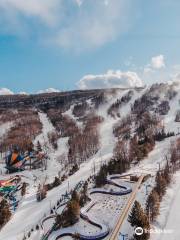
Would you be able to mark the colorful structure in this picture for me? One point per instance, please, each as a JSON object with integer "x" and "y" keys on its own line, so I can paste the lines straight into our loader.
{"x": 16, "y": 162}
{"x": 8, "y": 188}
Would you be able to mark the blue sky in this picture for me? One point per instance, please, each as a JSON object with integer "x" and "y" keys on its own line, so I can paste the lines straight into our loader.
{"x": 69, "y": 44}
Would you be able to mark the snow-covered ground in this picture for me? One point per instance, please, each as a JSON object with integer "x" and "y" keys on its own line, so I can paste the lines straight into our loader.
{"x": 156, "y": 160}
{"x": 53, "y": 163}
{"x": 47, "y": 128}
{"x": 108, "y": 208}
{"x": 169, "y": 122}
{"x": 69, "y": 112}
{"x": 167, "y": 223}
{"x": 30, "y": 212}
{"x": 4, "y": 128}
{"x": 150, "y": 165}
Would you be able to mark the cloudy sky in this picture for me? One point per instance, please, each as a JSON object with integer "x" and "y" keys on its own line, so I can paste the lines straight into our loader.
{"x": 70, "y": 44}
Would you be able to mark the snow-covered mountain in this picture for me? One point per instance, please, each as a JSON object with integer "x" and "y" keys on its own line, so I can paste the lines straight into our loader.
{"x": 79, "y": 131}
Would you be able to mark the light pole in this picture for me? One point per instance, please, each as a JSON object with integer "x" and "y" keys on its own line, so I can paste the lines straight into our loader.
{"x": 147, "y": 188}
{"x": 124, "y": 236}
{"x": 68, "y": 186}
{"x": 50, "y": 205}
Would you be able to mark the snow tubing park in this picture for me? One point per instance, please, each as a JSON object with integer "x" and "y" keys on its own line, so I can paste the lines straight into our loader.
{"x": 8, "y": 189}
{"x": 104, "y": 229}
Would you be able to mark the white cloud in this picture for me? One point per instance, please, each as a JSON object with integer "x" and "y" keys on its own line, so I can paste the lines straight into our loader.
{"x": 44, "y": 10}
{"x": 79, "y": 2}
{"x": 158, "y": 62}
{"x": 94, "y": 25}
{"x": 5, "y": 91}
{"x": 106, "y": 2}
{"x": 177, "y": 79}
{"x": 175, "y": 82}
{"x": 48, "y": 90}
{"x": 148, "y": 69}
{"x": 111, "y": 79}
{"x": 23, "y": 93}
{"x": 74, "y": 24}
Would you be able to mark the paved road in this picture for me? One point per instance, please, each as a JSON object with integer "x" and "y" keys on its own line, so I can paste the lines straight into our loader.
{"x": 115, "y": 233}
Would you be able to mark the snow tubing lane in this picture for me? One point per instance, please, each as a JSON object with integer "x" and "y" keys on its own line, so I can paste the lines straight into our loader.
{"x": 52, "y": 215}
{"x": 83, "y": 214}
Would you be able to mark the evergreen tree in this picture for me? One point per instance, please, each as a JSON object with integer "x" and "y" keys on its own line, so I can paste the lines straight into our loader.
{"x": 160, "y": 184}
{"x": 5, "y": 213}
{"x": 75, "y": 196}
{"x": 177, "y": 119}
{"x": 160, "y": 135}
{"x": 84, "y": 196}
{"x": 23, "y": 189}
{"x": 152, "y": 205}
{"x": 41, "y": 193}
{"x": 37, "y": 227}
{"x": 73, "y": 211}
{"x": 70, "y": 216}
{"x": 56, "y": 182}
{"x": 24, "y": 237}
{"x": 39, "y": 147}
{"x": 76, "y": 236}
{"x": 135, "y": 151}
{"x": 138, "y": 218}
{"x": 174, "y": 157}
{"x": 100, "y": 179}
{"x": 167, "y": 174}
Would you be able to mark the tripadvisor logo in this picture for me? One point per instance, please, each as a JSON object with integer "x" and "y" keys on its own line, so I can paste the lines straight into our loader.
{"x": 138, "y": 231}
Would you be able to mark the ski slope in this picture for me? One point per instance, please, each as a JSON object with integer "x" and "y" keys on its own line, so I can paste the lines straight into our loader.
{"x": 167, "y": 222}
{"x": 32, "y": 212}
